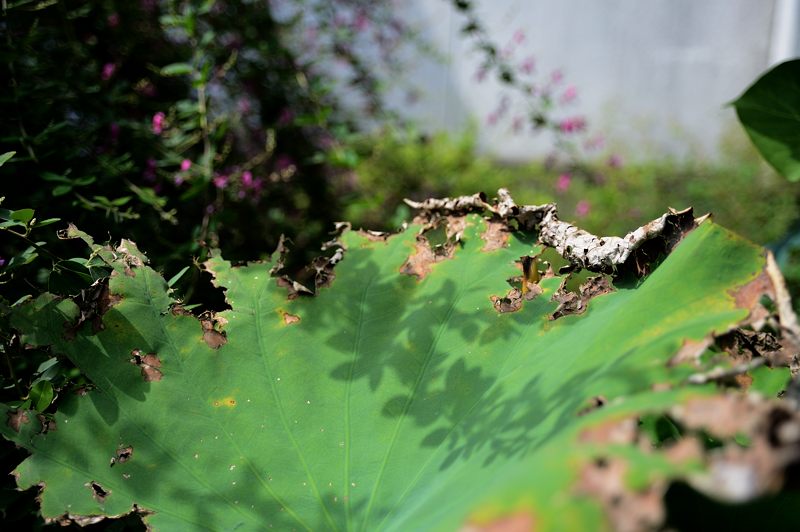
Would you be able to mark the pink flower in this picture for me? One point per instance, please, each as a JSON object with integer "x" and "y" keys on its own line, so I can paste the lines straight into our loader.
{"x": 569, "y": 94}
{"x": 185, "y": 165}
{"x": 582, "y": 208}
{"x": 108, "y": 71}
{"x": 220, "y": 181}
{"x": 492, "y": 118}
{"x": 247, "y": 178}
{"x": 158, "y": 122}
{"x": 113, "y": 20}
{"x": 480, "y": 75}
{"x": 519, "y": 37}
{"x": 178, "y": 179}
{"x": 528, "y": 65}
{"x": 572, "y": 125}
{"x": 563, "y": 181}
{"x": 243, "y": 105}
{"x": 615, "y": 161}
{"x": 556, "y": 76}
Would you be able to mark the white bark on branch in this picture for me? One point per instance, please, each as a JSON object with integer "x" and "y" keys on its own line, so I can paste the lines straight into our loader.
{"x": 581, "y": 248}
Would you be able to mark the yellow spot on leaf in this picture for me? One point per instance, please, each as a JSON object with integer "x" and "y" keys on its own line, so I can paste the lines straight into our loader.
{"x": 229, "y": 402}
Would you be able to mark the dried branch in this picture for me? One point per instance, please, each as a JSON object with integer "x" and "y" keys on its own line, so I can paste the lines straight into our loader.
{"x": 722, "y": 374}
{"x": 582, "y": 249}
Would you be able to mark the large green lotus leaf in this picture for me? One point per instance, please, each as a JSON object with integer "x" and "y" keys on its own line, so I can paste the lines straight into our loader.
{"x": 769, "y": 111}
{"x": 384, "y": 402}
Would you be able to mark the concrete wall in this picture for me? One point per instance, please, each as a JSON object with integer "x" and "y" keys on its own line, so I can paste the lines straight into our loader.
{"x": 653, "y": 76}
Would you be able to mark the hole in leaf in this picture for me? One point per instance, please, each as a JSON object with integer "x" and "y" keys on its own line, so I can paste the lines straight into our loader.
{"x": 123, "y": 454}
{"x": 98, "y": 492}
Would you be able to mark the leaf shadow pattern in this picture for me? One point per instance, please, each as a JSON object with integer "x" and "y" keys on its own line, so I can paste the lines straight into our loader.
{"x": 391, "y": 329}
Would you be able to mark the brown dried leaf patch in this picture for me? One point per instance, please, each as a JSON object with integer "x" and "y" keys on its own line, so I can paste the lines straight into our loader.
{"x": 47, "y": 422}
{"x": 98, "y": 492}
{"x": 122, "y": 455}
{"x": 129, "y": 253}
{"x": 149, "y": 364}
{"x": 293, "y": 288}
{"x": 572, "y": 303}
{"x": 421, "y": 260}
{"x": 16, "y": 418}
{"x": 289, "y": 319}
{"x": 627, "y": 510}
{"x": 614, "y": 431}
{"x": 512, "y": 301}
{"x": 212, "y": 337}
{"x": 93, "y": 303}
{"x": 496, "y": 236}
{"x": 737, "y": 473}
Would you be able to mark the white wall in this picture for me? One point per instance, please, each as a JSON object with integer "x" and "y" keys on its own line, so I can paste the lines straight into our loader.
{"x": 653, "y": 76}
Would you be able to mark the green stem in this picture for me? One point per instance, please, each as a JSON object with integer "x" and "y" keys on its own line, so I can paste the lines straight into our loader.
{"x": 35, "y": 245}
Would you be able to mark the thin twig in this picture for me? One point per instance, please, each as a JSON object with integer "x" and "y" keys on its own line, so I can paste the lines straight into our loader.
{"x": 721, "y": 374}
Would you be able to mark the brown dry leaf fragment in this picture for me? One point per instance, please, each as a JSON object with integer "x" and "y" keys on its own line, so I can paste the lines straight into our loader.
{"x": 214, "y": 339}
{"x": 739, "y": 474}
{"x": 517, "y": 522}
{"x": 149, "y": 365}
{"x": 721, "y": 415}
{"x": 17, "y": 418}
{"x": 742, "y": 345}
{"x": 93, "y": 303}
{"x": 627, "y": 510}
{"x": 749, "y": 295}
{"x": 293, "y": 288}
{"x": 47, "y": 422}
{"x": 568, "y": 303}
{"x": 495, "y": 236}
{"x": 290, "y": 319}
{"x": 685, "y": 450}
{"x": 80, "y": 520}
{"x": 178, "y": 310}
{"x": 572, "y": 303}
{"x": 691, "y": 350}
{"x": 454, "y": 229}
{"x": 98, "y": 492}
{"x": 420, "y": 261}
{"x": 281, "y": 251}
{"x": 323, "y": 267}
{"x": 128, "y": 251}
{"x": 123, "y": 454}
{"x": 614, "y": 431}
{"x": 512, "y": 301}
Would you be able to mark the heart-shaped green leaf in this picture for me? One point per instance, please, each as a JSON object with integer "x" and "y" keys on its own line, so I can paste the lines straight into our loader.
{"x": 388, "y": 401}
